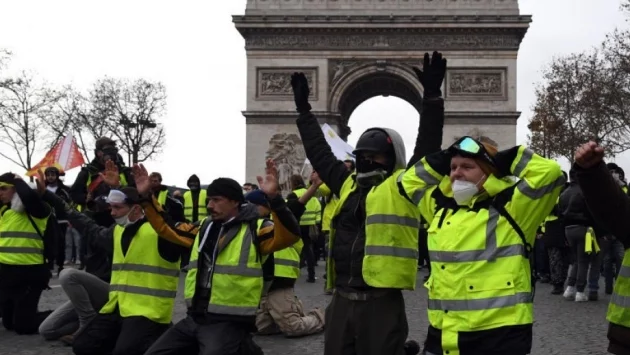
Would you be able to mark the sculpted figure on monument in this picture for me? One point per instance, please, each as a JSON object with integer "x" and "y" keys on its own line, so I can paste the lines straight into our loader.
{"x": 286, "y": 150}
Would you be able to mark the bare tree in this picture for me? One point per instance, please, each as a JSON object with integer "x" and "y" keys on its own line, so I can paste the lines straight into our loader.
{"x": 74, "y": 113}
{"x": 578, "y": 101}
{"x": 131, "y": 110}
{"x": 25, "y": 106}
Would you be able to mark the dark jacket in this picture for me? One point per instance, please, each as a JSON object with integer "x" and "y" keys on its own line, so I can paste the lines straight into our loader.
{"x": 349, "y": 243}
{"x": 610, "y": 207}
{"x": 554, "y": 229}
{"x": 79, "y": 189}
{"x": 574, "y": 210}
{"x": 173, "y": 207}
{"x": 572, "y": 207}
{"x": 37, "y": 276}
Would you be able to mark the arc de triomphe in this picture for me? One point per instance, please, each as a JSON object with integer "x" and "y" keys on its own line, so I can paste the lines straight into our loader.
{"x": 352, "y": 50}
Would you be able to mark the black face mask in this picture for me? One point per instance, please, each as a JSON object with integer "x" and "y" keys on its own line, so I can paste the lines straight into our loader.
{"x": 110, "y": 154}
{"x": 367, "y": 165}
{"x": 370, "y": 173}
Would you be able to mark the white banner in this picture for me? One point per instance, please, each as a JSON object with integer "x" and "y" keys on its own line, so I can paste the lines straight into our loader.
{"x": 341, "y": 149}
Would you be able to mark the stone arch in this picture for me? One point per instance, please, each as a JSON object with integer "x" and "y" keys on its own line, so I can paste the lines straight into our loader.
{"x": 369, "y": 80}
{"x": 354, "y": 50}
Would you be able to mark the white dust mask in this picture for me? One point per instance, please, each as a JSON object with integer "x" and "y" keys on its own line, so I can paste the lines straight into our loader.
{"x": 464, "y": 191}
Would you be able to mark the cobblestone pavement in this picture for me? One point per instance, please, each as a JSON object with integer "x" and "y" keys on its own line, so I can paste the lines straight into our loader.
{"x": 561, "y": 327}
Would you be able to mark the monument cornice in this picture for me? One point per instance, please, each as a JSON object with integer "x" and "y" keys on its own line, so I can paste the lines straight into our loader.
{"x": 375, "y": 39}
{"x": 336, "y": 20}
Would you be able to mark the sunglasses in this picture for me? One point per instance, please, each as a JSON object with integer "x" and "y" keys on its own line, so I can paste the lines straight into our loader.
{"x": 472, "y": 147}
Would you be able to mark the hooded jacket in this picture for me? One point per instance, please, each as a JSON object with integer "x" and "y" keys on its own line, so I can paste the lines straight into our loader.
{"x": 195, "y": 196}
{"x": 349, "y": 225}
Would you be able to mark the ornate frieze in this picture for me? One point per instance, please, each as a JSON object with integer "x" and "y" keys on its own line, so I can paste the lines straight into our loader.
{"x": 476, "y": 83}
{"x": 394, "y": 41}
{"x": 275, "y": 83}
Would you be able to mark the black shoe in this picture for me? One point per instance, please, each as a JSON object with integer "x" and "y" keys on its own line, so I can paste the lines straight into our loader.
{"x": 311, "y": 279}
{"x": 426, "y": 278}
{"x": 557, "y": 290}
{"x": 609, "y": 291}
{"x": 593, "y": 295}
{"x": 412, "y": 347}
{"x": 544, "y": 279}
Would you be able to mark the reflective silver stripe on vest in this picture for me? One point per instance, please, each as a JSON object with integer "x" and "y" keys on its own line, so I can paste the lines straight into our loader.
{"x": 237, "y": 270}
{"x": 22, "y": 235}
{"x": 22, "y": 250}
{"x": 237, "y": 311}
{"x": 391, "y": 251}
{"x": 145, "y": 268}
{"x": 286, "y": 262}
{"x": 142, "y": 291}
{"x": 480, "y": 304}
{"x": 241, "y": 269}
{"x": 192, "y": 264}
{"x": 537, "y": 193}
{"x": 490, "y": 253}
{"x": 620, "y": 301}
{"x": 392, "y": 219}
{"x": 624, "y": 271}
{"x": 526, "y": 157}
{"x": 427, "y": 178}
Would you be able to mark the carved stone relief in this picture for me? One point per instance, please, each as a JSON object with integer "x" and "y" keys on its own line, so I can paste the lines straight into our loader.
{"x": 287, "y": 151}
{"x": 411, "y": 41}
{"x": 338, "y": 68}
{"x": 476, "y": 83}
{"x": 275, "y": 83}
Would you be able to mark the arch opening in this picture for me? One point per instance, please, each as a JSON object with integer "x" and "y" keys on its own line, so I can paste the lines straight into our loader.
{"x": 387, "y": 112}
{"x": 366, "y": 83}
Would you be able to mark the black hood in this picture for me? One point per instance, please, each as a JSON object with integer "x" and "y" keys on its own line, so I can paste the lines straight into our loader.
{"x": 193, "y": 177}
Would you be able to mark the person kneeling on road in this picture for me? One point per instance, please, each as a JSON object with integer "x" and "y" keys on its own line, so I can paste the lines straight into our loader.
{"x": 280, "y": 309}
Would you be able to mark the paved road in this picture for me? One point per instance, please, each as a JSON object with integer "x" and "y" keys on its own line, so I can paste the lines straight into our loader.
{"x": 561, "y": 327}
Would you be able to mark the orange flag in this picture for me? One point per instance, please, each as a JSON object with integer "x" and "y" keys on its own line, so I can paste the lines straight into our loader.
{"x": 65, "y": 155}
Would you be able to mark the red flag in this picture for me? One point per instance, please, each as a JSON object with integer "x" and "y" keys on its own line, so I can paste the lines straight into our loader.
{"x": 65, "y": 155}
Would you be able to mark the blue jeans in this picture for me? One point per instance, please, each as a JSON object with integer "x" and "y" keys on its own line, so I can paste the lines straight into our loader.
{"x": 73, "y": 241}
{"x": 613, "y": 251}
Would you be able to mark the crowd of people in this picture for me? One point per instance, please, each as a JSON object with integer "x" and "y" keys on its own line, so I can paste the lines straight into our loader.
{"x": 488, "y": 223}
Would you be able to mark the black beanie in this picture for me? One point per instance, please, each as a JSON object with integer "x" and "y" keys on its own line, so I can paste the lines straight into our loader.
{"x": 227, "y": 188}
{"x": 7, "y": 178}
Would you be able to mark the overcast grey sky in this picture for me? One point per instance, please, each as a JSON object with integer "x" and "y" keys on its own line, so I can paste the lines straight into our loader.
{"x": 193, "y": 48}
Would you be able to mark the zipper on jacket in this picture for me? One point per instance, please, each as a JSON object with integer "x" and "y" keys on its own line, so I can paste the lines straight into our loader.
{"x": 361, "y": 227}
{"x": 214, "y": 260}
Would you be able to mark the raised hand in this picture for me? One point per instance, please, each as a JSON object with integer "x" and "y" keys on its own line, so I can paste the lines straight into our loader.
{"x": 315, "y": 180}
{"x": 111, "y": 174}
{"x": 432, "y": 75}
{"x": 589, "y": 155}
{"x": 270, "y": 168}
{"x": 141, "y": 177}
{"x": 41, "y": 182}
{"x": 269, "y": 185}
{"x": 300, "y": 92}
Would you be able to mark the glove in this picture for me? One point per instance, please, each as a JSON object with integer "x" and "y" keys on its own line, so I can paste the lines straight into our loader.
{"x": 300, "y": 92}
{"x": 432, "y": 75}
